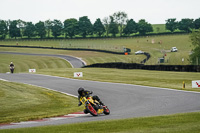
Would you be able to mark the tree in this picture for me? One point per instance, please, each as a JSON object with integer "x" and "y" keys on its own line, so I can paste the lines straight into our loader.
{"x": 171, "y": 24}
{"x": 40, "y": 29}
{"x": 3, "y": 29}
{"x": 14, "y": 31}
{"x": 113, "y": 27}
{"x": 197, "y": 23}
{"x": 48, "y": 25}
{"x": 70, "y": 27}
{"x": 131, "y": 27}
{"x": 29, "y": 30}
{"x": 56, "y": 28}
{"x": 195, "y": 38}
{"x": 98, "y": 27}
{"x": 144, "y": 27}
{"x": 8, "y": 22}
{"x": 106, "y": 22}
{"x": 21, "y": 24}
{"x": 186, "y": 25}
{"x": 85, "y": 26}
{"x": 120, "y": 18}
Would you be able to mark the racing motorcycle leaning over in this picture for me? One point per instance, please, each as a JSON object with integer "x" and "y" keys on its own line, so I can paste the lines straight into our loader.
{"x": 93, "y": 106}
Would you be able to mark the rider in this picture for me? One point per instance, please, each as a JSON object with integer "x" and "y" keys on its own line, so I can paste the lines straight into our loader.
{"x": 85, "y": 93}
{"x": 11, "y": 67}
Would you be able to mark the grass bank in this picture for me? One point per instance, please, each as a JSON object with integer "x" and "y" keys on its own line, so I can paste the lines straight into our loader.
{"x": 181, "y": 123}
{"x": 21, "y": 102}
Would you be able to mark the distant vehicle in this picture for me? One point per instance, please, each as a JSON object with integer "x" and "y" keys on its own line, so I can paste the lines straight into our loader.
{"x": 139, "y": 52}
{"x": 174, "y": 49}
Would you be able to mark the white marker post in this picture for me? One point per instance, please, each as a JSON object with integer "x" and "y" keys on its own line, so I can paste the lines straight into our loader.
{"x": 196, "y": 84}
{"x": 78, "y": 74}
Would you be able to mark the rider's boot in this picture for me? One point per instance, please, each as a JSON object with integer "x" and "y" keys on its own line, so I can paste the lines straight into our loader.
{"x": 85, "y": 111}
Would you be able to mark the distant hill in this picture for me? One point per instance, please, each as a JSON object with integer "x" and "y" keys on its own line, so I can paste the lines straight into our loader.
{"x": 158, "y": 28}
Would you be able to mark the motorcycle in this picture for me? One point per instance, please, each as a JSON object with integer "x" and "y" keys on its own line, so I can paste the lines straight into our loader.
{"x": 12, "y": 69}
{"x": 93, "y": 106}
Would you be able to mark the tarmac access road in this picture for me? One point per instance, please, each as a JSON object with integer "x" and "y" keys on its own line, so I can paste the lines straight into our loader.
{"x": 123, "y": 100}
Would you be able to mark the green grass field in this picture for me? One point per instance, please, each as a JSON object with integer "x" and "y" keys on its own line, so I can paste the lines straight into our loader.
{"x": 20, "y": 102}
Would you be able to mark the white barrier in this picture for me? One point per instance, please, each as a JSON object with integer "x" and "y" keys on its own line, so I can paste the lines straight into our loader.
{"x": 196, "y": 84}
{"x": 78, "y": 74}
{"x": 32, "y": 70}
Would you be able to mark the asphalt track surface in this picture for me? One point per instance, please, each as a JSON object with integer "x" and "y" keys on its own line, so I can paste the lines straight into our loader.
{"x": 74, "y": 61}
{"x": 124, "y": 101}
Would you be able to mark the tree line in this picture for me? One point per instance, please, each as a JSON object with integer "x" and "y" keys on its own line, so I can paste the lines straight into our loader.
{"x": 118, "y": 23}
{"x": 186, "y": 24}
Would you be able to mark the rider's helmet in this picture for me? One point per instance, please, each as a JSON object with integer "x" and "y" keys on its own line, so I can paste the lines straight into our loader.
{"x": 80, "y": 91}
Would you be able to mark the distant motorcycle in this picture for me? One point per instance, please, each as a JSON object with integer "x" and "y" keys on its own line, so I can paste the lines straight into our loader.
{"x": 94, "y": 107}
{"x": 12, "y": 69}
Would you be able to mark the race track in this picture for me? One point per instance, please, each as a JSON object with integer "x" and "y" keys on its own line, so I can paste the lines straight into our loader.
{"x": 124, "y": 101}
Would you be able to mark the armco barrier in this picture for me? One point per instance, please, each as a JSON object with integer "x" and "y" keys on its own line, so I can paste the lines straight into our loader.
{"x": 120, "y": 65}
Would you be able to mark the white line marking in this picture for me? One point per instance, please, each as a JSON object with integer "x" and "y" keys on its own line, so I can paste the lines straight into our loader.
{"x": 4, "y": 80}
{"x": 24, "y": 122}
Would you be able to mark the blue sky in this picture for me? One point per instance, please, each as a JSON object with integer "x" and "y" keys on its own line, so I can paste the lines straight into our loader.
{"x": 153, "y": 11}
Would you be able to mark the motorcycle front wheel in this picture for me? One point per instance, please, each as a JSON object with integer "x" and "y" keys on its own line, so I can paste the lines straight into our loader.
{"x": 91, "y": 110}
{"x": 106, "y": 110}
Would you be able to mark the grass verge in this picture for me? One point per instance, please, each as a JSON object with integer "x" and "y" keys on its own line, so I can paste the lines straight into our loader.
{"x": 180, "y": 123}
{"x": 21, "y": 102}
